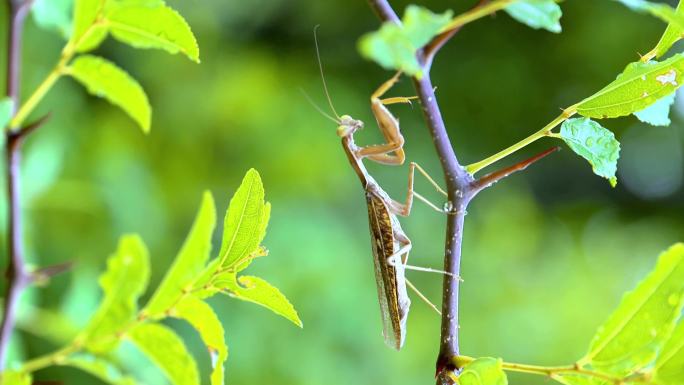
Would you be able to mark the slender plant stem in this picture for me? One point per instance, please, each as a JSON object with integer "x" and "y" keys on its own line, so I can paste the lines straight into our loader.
{"x": 551, "y": 371}
{"x": 475, "y": 13}
{"x": 39, "y": 93}
{"x": 17, "y": 277}
{"x": 53, "y": 358}
{"x": 546, "y": 131}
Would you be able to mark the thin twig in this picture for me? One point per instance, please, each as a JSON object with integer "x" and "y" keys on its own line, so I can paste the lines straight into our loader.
{"x": 490, "y": 179}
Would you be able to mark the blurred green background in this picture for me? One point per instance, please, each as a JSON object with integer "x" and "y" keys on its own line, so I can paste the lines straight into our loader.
{"x": 547, "y": 254}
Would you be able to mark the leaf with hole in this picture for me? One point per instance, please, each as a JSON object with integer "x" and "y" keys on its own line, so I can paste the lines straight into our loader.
{"x": 104, "y": 79}
{"x": 594, "y": 143}
{"x": 159, "y": 27}
{"x": 637, "y": 87}
{"x": 644, "y": 320}
{"x": 658, "y": 113}
{"x": 544, "y": 14}
{"x": 124, "y": 281}
{"x": 189, "y": 262}
{"x": 395, "y": 47}
{"x": 167, "y": 351}
{"x": 202, "y": 317}
{"x": 483, "y": 371}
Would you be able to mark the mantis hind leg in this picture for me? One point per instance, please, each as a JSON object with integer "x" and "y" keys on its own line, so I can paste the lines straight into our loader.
{"x": 404, "y": 209}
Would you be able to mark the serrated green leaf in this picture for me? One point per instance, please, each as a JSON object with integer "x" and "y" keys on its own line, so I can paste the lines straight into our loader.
{"x": 421, "y": 25}
{"x": 643, "y": 321}
{"x": 6, "y": 109}
{"x": 255, "y": 289}
{"x": 202, "y": 317}
{"x": 89, "y": 29}
{"x": 53, "y": 15}
{"x": 104, "y": 79}
{"x": 658, "y": 113}
{"x": 669, "y": 366}
{"x": 158, "y": 27}
{"x": 167, "y": 351}
{"x": 639, "y": 86}
{"x": 124, "y": 281}
{"x": 189, "y": 262}
{"x": 672, "y": 34}
{"x": 483, "y": 371}
{"x": 659, "y": 10}
{"x": 11, "y": 377}
{"x": 594, "y": 143}
{"x": 245, "y": 223}
{"x": 98, "y": 367}
{"x": 537, "y": 14}
{"x": 394, "y": 46}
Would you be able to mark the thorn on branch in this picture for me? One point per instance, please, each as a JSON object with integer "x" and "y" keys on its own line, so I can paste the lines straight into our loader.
{"x": 29, "y": 128}
{"x": 44, "y": 274}
{"x": 496, "y": 176}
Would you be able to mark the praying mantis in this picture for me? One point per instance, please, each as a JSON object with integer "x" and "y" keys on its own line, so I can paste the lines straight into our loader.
{"x": 390, "y": 245}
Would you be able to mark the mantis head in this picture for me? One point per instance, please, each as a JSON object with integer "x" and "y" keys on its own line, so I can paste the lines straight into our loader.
{"x": 348, "y": 126}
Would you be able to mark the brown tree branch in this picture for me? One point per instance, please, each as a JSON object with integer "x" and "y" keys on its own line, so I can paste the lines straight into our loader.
{"x": 458, "y": 183}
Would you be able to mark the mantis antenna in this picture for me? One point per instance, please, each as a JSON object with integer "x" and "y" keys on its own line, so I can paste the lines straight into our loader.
{"x": 320, "y": 68}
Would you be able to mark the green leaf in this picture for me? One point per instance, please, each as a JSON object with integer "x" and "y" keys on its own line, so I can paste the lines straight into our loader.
{"x": 204, "y": 320}
{"x": 89, "y": 27}
{"x": 189, "y": 262}
{"x": 537, "y": 14}
{"x": 167, "y": 351}
{"x": 483, "y": 371}
{"x": 255, "y": 289}
{"x": 643, "y": 321}
{"x": 420, "y": 25}
{"x": 158, "y": 27}
{"x": 639, "y": 86}
{"x": 658, "y": 113}
{"x": 245, "y": 223}
{"x": 394, "y": 46}
{"x": 594, "y": 143}
{"x": 661, "y": 11}
{"x": 673, "y": 33}
{"x": 669, "y": 366}
{"x": 123, "y": 283}
{"x": 104, "y": 79}
{"x": 53, "y": 15}
{"x": 98, "y": 367}
{"x": 6, "y": 110}
{"x": 11, "y": 377}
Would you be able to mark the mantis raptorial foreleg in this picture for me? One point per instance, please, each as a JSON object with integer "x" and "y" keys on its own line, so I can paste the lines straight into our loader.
{"x": 389, "y": 127}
